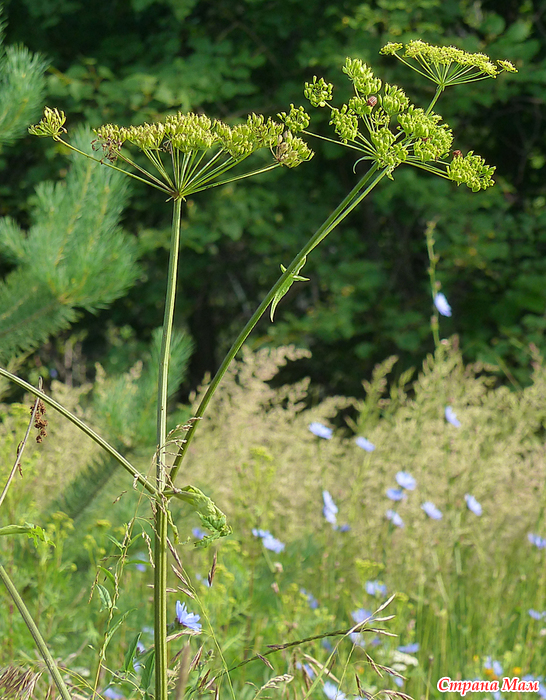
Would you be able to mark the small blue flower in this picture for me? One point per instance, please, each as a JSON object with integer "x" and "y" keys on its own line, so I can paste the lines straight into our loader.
{"x": 365, "y": 444}
{"x": 405, "y": 480}
{"x": 375, "y": 588}
{"x": 537, "y": 615}
{"x": 393, "y": 516}
{"x": 112, "y": 694}
{"x": 268, "y": 541}
{"x": 330, "y": 509}
{"x": 332, "y": 692}
{"x": 321, "y": 431}
{"x": 539, "y": 542}
{"x": 143, "y": 558}
{"x": 203, "y": 580}
{"x": 497, "y": 668}
{"x": 344, "y": 528}
{"x": 442, "y": 304}
{"x": 327, "y": 644}
{"x": 395, "y": 494}
{"x": 451, "y": 417}
{"x": 473, "y": 504}
{"x": 361, "y": 615}
{"x": 313, "y": 602}
{"x": 409, "y": 648}
{"x": 398, "y": 681}
{"x": 357, "y": 639}
{"x": 431, "y": 510}
{"x": 187, "y": 619}
{"x": 198, "y": 533}
{"x": 542, "y": 690}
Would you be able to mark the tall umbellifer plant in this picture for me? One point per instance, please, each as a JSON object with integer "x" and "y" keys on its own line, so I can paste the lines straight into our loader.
{"x": 191, "y": 153}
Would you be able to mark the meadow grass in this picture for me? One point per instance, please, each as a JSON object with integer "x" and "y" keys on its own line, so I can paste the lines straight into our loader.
{"x": 464, "y": 583}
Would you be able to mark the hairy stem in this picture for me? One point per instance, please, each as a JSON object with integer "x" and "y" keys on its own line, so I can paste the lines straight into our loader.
{"x": 35, "y": 632}
{"x": 357, "y": 194}
{"x": 160, "y": 552}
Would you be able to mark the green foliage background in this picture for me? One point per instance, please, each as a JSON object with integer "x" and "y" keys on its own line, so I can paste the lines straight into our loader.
{"x": 368, "y": 296}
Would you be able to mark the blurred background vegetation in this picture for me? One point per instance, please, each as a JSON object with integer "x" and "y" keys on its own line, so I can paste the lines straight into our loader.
{"x": 129, "y": 61}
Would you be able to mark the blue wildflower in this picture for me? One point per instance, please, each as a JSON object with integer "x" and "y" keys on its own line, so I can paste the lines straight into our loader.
{"x": 539, "y": 542}
{"x": 536, "y": 615}
{"x": 344, "y": 528}
{"x": 495, "y": 666}
{"x": 203, "y": 580}
{"x": 330, "y": 509}
{"x": 327, "y": 644}
{"x": 112, "y": 694}
{"x": 357, "y": 639}
{"x": 431, "y": 510}
{"x": 395, "y": 494}
{"x": 313, "y": 602}
{"x": 187, "y": 619}
{"x": 393, "y": 516}
{"x": 398, "y": 681}
{"x": 321, "y": 430}
{"x": 268, "y": 541}
{"x": 542, "y": 690}
{"x": 409, "y": 648}
{"x": 198, "y": 533}
{"x": 442, "y": 304}
{"x": 375, "y": 588}
{"x": 332, "y": 692}
{"x": 365, "y": 444}
{"x": 405, "y": 480}
{"x": 473, "y": 505}
{"x": 143, "y": 558}
{"x": 361, "y": 615}
{"x": 451, "y": 417}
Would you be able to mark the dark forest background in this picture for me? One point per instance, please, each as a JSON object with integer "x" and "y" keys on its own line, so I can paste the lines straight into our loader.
{"x": 368, "y": 297}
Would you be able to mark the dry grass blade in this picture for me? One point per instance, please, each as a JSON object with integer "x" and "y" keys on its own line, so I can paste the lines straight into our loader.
{"x": 197, "y": 658}
{"x": 185, "y": 588}
{"x": 387, "y": 602}
{"x": 266, "y": 662}
{"x": 212, "y": 571}
{"x": 18, "y": 683}
{"x": 275, "y": 682}
{"x": 373, "y": 665}
{"x": 378, "y": 630}
{"x": 396, "y": 694}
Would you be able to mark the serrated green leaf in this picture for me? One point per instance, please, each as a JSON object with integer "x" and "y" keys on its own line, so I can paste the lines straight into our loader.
{"x": 294, "y": 277}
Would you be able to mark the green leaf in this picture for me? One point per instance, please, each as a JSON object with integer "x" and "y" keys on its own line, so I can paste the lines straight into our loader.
{"x": 130, "y": 654}
{"x": 104, "y": 595}
{"x": 109, "y": 575}
{"x": 34, "y": 532}
{"x": 210, "y": 515}
{"x": 112, "y": 631}
{"x": 294, "y": 277}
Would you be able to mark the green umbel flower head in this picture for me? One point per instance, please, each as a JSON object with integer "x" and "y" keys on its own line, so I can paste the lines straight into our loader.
{"x": 380, "y": 122}
{"x": 201, "y": 150}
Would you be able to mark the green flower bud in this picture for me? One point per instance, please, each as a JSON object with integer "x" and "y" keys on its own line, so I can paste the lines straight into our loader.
{"x": 345, "y": 123}
{"x": 318, "y": 92}
{"x": 471, "y": 171}
{"x": 394, "y": 99}
{"x": 296, "y": 120}
{"x": 362, "y": 77}
{"x": 51, "y": 124}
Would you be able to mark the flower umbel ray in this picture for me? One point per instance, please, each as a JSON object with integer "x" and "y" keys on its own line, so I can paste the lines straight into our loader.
{"x": 189, "y": 152}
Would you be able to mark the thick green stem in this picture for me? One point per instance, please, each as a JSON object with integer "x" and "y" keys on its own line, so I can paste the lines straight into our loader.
{"x": 160, "y": 553}
{"x": 35, "y": 632}
{"x": 357, "y": 194}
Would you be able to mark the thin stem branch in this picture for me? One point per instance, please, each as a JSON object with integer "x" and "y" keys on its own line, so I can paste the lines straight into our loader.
{"x": 35, "y": 632}
{"x": 21, "y": 447}
{"x": 138, "y": 477}
{"x": 357, "y": 194}
{"x": 160, "y": 552}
